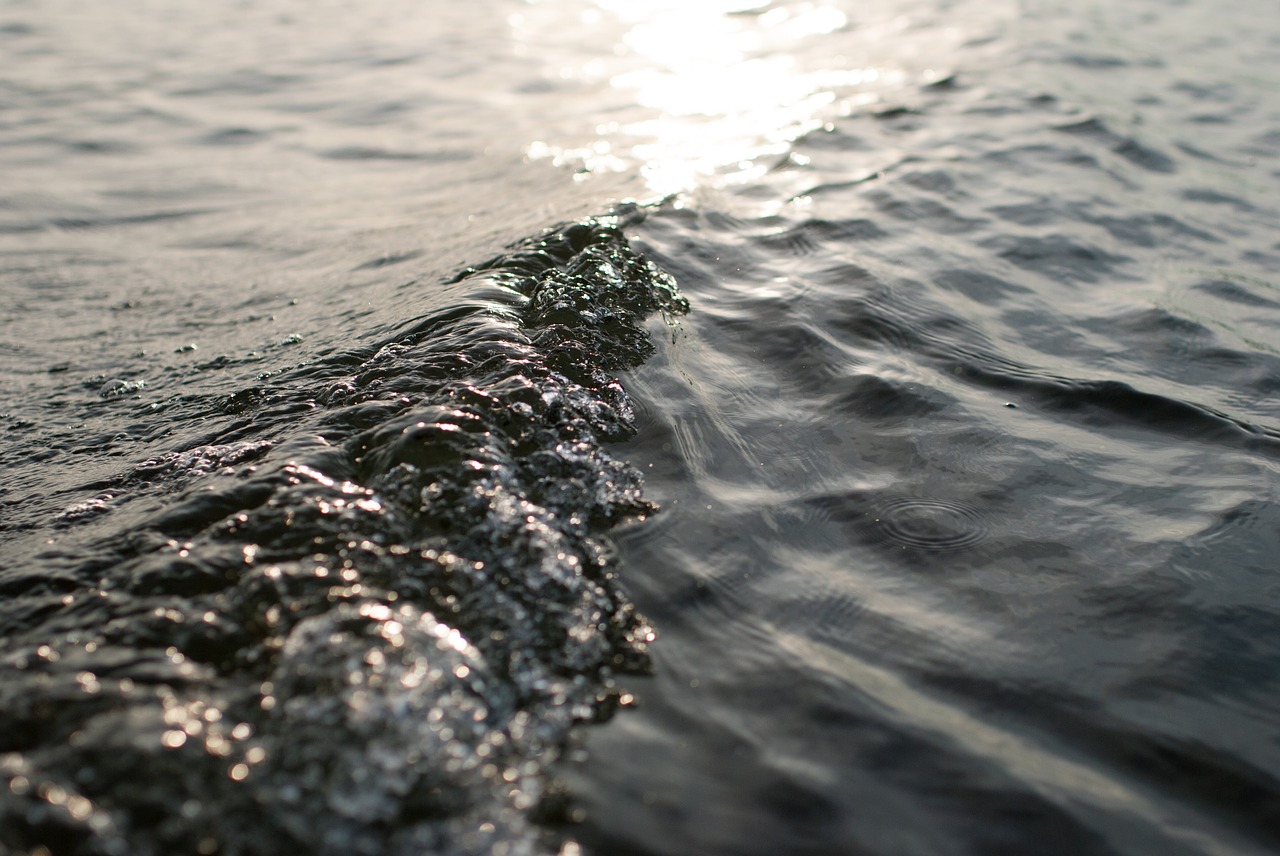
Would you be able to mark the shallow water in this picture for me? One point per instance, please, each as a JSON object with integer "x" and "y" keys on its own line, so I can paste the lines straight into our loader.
{"x": 316, "y": 527}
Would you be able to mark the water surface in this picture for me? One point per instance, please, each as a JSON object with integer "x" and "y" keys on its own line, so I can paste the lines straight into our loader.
{"x": 322, "y": 531}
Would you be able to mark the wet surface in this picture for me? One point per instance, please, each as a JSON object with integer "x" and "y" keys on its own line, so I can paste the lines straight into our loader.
{"x": 317, "y": 531}
{"x": 364, "y": 619}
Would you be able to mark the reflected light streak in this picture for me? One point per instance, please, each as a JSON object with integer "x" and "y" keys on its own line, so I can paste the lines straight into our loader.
{"x": 720, "y": 88}
{"x": 1064, "y": 776}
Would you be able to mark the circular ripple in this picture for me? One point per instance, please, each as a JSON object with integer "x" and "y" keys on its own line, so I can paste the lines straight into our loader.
{"x": 935, "y": 525}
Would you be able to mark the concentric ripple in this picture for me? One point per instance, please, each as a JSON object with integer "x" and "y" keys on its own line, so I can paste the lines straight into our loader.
{"x": 930, "y": 524}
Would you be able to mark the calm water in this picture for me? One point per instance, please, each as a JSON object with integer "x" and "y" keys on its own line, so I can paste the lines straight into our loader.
{"x": 944, "y": 335}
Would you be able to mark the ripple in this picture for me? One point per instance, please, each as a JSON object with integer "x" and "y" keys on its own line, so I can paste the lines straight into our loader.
{"x": 935, "y": 525}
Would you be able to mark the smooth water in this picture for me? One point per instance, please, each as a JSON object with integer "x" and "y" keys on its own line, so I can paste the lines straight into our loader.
{"x": 317, "y": 528}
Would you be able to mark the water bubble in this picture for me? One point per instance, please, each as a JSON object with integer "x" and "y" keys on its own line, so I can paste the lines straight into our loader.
{"x": 117, "y": 387}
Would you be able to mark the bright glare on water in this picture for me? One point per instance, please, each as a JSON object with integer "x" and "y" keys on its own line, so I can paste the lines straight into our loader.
{"x": 719, "y": 91}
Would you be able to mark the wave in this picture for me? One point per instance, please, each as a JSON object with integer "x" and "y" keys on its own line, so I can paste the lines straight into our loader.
{"x": 363, "y": 614}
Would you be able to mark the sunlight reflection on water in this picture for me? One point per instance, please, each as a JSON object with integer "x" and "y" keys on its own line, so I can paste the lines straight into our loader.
{"x": 718, "y": 91}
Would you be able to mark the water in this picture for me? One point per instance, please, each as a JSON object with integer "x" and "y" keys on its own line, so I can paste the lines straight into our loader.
{"x": 321, "y": 532}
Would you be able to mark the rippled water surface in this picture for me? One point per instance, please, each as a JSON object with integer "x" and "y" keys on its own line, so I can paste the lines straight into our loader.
{"x": 347, "y": 351}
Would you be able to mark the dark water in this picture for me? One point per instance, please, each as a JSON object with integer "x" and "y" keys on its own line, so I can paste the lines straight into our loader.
{"x": 322, "y": 533}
